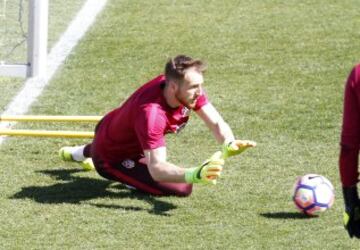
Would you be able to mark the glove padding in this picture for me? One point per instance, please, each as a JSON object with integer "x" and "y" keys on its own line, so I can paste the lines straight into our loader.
{"x": 236, "y": 147}
{"x": 352, "y": 211}
{"x": 208, "y": 172}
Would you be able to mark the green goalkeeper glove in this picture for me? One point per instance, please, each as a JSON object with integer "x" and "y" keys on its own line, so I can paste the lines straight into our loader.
{"x": 208, "y": 172}
{"x": 236, "y": 147}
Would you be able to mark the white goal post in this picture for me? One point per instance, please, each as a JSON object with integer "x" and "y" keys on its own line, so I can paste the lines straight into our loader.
{"x": 36, "y": 44}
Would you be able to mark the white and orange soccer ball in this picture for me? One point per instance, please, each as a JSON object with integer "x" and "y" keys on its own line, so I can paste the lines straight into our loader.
{"x": 313, "y": 194}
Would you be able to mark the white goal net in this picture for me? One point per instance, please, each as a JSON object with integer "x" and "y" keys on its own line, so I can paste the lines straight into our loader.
{"x": 13, "y": 31}
{"x": 23, "y": 37}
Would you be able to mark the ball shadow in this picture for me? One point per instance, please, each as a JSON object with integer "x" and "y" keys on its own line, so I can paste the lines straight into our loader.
{"x": 287, "y": 215}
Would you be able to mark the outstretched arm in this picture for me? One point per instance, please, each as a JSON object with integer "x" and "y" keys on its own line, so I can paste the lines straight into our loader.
{"x": 222, "y": 132}
{"x": 160, "y": 169}
{"x": 213, "y": 120}
{"x": 163, "y": 171}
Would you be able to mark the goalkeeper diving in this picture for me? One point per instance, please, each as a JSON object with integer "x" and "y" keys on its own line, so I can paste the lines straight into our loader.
{"x": 129, "y": 143}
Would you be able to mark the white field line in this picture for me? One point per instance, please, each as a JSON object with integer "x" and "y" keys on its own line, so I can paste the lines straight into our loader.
{"x": 33, "y": 87}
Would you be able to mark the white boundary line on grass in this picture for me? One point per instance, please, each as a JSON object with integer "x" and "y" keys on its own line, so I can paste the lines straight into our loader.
{"x": 33, "y": 87}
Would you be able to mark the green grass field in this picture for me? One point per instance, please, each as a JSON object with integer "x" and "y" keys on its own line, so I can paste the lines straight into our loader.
{"x": 276, "y": 73}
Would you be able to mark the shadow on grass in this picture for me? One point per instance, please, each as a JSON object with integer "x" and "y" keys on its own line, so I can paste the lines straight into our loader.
{"x": 287, "y": 215}
{"x": 75, "y": 190}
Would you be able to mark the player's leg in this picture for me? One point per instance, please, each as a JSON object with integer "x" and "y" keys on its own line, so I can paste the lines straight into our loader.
{"x": 350, "y": 134}
{"x": 133, "y": 173}
{"x": 87, "y": 151}
{"x": 178, "y": 189}
{"x": 79, "y": 154}
{"x": 75, "y": 153}
{"x": 349, "y": 154}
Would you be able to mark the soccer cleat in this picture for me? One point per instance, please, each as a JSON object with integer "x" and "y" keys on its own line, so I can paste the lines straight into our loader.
{"x": 87, "y": 165}
{"x": 65, "y": 155}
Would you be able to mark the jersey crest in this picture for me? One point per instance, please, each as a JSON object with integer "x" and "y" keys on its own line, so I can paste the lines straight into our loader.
{"x": 128, "y": 163}
{"x": 185, "y": 111}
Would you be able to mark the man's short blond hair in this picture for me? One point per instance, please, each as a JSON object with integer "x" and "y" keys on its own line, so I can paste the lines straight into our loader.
{"x": 176, "y": 67}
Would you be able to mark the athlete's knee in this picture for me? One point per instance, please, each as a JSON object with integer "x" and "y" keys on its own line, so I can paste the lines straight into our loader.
{"x": 184, "y": 190}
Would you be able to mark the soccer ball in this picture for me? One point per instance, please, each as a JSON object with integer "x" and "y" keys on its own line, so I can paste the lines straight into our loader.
{"x": 313, "y": 193}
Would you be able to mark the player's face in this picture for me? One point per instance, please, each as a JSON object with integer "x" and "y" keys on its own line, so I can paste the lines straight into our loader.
{"x": 190, "y": 89}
